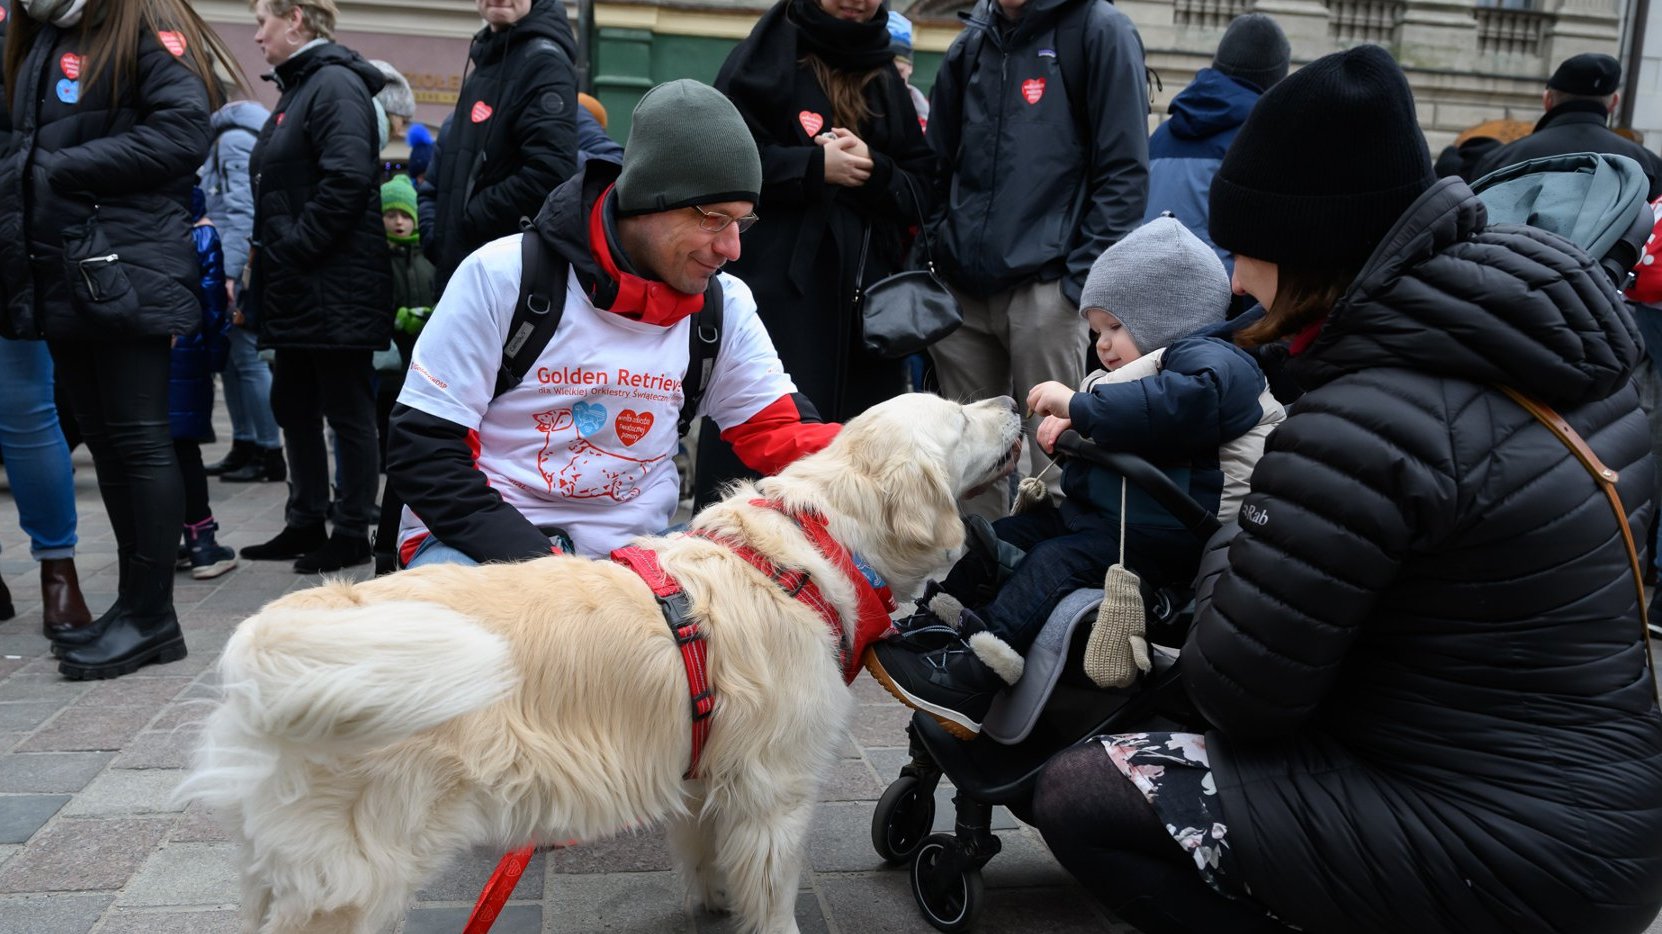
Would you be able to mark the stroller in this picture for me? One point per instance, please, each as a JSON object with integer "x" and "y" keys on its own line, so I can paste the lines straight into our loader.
{"x": 1053, "y": 706}
{"x": 1596, "y": 201}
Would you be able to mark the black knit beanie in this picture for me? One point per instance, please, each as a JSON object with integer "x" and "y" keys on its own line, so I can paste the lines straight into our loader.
{"x": 1325, "y": 164}
{"x": 1254, "y": 49}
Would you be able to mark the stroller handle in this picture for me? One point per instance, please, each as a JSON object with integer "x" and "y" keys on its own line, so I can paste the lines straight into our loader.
{"x": 1147, "y": 477}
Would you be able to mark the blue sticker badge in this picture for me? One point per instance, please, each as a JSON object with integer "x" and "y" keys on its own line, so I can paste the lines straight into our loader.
{"x": 69, "y": 91}
{"x": 590, "y": 418}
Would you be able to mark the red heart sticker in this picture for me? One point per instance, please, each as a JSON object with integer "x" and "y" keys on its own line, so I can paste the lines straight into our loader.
{"x": 172, "y": 41}
{"x": 70, "y": 63}
{"x": 1032, "y": 89}
{"x": 481, "y": 112}
{"x": 811, "y": 122}
{"x": 2, "y": 14}
{"x": 280, "y": 117}
{"x": 632, "y": 426}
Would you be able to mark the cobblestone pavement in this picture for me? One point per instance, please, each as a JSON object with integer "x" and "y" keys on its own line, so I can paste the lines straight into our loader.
{"x": 90, "y": 843}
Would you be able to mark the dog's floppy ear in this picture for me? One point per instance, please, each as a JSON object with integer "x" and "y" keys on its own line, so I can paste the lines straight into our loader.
{"x": 919, "y": 510}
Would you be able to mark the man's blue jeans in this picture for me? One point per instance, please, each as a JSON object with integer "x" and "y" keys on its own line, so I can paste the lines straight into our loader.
{"x": 37, "y": 459}
{"x": 248, "y": 392}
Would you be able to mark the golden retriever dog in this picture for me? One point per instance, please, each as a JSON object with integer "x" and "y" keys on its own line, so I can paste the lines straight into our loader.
{"x": 368, "y": 732}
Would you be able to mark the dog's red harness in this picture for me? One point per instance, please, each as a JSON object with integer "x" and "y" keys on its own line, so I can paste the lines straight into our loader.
{"x": 875, "y": 603}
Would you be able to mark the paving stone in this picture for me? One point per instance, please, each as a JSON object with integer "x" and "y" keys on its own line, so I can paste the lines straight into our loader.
{"x": 158, "y": 749}
{"x": 41, "y": 688}
{"x": 7, "y": 851}
{"x": 466, "y": 875}
{"x": 10, "y": 740}
{"x": 82, "y": 856}
{"x": 184, "y": 714}
{"x": 841, "y": 839}
{"x": 89, "y": 729}
{"x": 880, "y": 724}
{"x": 50, "y": 771}
{"x": 9, "y": 665}
{"x": 128, "y": 793}
{"x": 22, "y": 815}
{"x": 644, "y": 851}
{"x": 149, "y": 921}
{"x": 23, "y": 717}
{"x": 51, "y": 914}
{"x": 136, "y": 691}
{"x": 634, "y": 902}
{"x": 850, "y": 780}
{"x": 199, "y": 825}
{"x": 880, "y": 903}
{"x": 1052, "y": 910}
{"x": 514, "y": 919}
{"x": 186, "y": 874}
{"x": 810, "y": 918}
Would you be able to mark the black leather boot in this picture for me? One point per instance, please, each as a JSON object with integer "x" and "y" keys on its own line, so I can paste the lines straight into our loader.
{"x": 266, "y": 465}
{"x": 7, "y": 610}
{"x": 62, "y": 607}
{"x": 145, "y": 632}
{"x": 240, "y": 454}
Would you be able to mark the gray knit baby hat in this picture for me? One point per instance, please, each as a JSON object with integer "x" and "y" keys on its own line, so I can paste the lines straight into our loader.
{"x": 687, "y": 145}
{"x": 1162, "y": 283}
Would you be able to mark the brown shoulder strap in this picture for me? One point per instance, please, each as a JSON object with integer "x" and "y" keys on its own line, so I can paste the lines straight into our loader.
{"x": 1606, "y": 479}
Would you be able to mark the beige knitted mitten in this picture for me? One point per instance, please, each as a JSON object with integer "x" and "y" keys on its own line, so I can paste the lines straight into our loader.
{"x": 1117, "y": 651}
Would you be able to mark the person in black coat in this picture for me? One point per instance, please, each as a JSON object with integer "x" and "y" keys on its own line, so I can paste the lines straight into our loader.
{"x": 844, "y": 163}
{"x": 111, "y": 118}
{"x": 513, "y": 136}
{"x": 1579, "y": 99}
{"x": 1424, "y": 663}
{"x": 321, "y": 285}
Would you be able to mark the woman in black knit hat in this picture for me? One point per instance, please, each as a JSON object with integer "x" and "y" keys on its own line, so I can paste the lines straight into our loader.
{"x": 1422, "y": 659}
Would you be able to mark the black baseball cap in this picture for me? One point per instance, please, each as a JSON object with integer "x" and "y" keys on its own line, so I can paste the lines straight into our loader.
{"x": 1592, "y": 74}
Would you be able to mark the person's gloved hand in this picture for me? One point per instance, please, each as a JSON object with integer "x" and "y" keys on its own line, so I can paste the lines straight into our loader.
{"x": 412, "y": 320}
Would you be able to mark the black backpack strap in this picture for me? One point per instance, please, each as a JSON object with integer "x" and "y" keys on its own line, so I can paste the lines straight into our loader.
{"x": 704, "y": 345}
{"x": 537, "y": 312}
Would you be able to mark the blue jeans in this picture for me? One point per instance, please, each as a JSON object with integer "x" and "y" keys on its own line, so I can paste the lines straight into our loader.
{"x": 433, "y": 551}
{"x": 248, "y": 392}
{"x": 37, "y": 460}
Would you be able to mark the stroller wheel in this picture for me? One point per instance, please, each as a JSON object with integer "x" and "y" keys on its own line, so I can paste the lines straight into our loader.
{"x": 902, "y": 820}
{"x": 948, "y": 891}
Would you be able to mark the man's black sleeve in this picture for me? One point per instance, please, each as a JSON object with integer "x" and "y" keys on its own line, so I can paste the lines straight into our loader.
{"x": 430, "y": 464}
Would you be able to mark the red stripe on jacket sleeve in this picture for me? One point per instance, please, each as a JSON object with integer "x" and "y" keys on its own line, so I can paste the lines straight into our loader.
{"x": 777, "y": 435}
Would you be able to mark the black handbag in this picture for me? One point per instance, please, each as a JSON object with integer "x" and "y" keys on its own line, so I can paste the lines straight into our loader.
{"x": 906, "y": 312}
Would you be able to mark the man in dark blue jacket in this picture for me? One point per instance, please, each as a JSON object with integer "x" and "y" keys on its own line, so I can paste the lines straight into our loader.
{"x": 1039, "y": 118}
{"x": 1183, "y": 154}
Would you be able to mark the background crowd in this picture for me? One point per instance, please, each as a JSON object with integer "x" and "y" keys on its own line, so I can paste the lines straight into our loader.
{"x": 157, "y": 226}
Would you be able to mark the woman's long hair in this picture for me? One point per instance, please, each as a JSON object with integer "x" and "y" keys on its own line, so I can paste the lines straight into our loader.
{"x": 110, "y": 31}
{"x": 1303, "y": 296}
{"x": 847, "y": 92}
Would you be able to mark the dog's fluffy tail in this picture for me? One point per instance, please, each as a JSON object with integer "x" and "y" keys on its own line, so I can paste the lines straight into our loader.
{"x": 325, "y": 682}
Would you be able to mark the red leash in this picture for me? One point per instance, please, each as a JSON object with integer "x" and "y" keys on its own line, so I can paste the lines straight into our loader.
{"x": 496, "y": 892}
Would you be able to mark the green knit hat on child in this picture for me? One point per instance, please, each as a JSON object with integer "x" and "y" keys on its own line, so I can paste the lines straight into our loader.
{"x": 399, "y": 195}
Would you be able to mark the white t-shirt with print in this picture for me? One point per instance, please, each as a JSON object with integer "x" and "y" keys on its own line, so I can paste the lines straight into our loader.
{"x": 586, "y": 441}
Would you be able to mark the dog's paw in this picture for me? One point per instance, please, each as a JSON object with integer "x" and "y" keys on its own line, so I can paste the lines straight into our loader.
{"x": 709, "y": 898}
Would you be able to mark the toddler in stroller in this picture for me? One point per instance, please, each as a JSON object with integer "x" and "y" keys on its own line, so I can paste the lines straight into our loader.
{"x": 1198, "y": 408}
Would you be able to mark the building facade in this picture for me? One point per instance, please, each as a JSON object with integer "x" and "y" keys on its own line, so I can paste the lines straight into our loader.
{"x": 1467, "y": 62}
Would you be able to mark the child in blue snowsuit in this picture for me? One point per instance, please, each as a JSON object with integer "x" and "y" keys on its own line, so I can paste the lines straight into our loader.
{"x": 1197, "y": 407}
{"x": 197, "y": 356}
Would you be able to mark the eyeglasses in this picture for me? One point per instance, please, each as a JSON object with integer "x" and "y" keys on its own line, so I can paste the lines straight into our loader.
{"x": 716, "y": 223}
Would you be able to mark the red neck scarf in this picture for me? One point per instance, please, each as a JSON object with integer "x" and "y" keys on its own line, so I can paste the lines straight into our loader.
{"x": 1301, "y": 341}
{"x": 644, "y": 300}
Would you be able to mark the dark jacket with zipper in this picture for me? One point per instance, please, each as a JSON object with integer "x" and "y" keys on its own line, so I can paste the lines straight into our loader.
{"x": 1184, "y": 152}
{"x": 1030, "y": 194}
{"x": 95, "y": 196}
{"x": 1424, "y": 663}
{"x": 512, "y": 138}
{"x": 1575, "y": 126}
{"x": 803, "y": 258}
{"x": 321, "y": 278}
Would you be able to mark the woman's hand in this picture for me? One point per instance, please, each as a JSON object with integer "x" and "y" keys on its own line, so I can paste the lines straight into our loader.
{"x": 1050, "y": 429}
{"x": 1050, "y": 398}
{"x": 843, "y": 164}
{"x": 860, "y": 149}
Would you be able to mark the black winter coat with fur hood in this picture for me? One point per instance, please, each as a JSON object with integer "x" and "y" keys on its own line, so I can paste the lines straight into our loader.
{"x": 1424, "y": 662}
{"x": 95, "y": 195}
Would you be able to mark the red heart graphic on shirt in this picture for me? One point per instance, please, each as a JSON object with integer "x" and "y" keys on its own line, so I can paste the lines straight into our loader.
{"x": 811, "y": 122}
{"x": 172, "y": 41}
{"x": 1032, "y": 89}
{"x": 70, "y": 63}
{"x": 632, "y": 426}
{"x": 481, "y": 112}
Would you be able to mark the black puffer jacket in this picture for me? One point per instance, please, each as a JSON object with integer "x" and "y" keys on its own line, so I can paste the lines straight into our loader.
{"x": 1424, "y": 664}
{"x": 97, "y": 192}
{"x": 512, "y": 138}
{"x": 322, "y": 277}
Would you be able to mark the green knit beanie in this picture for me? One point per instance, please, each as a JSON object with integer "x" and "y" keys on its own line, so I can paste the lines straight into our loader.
{"x": 399, "y": 195}
{"x": 687, "y": 145}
